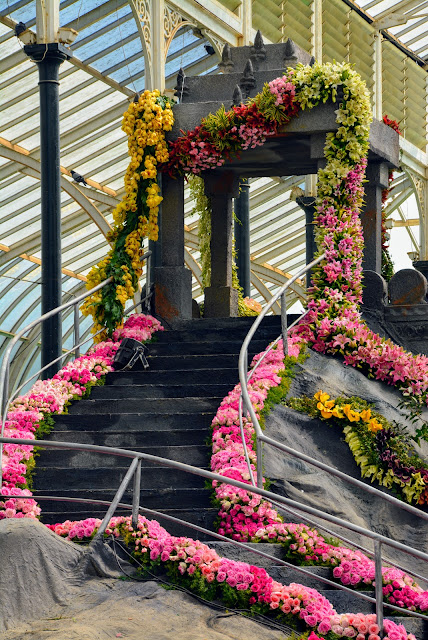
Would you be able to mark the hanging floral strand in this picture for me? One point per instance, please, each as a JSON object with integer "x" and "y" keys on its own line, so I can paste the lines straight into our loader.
{"x": 145, "y": 122}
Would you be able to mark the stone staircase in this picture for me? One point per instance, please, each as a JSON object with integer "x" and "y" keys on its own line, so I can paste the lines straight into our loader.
{"x": 166, "y": 410}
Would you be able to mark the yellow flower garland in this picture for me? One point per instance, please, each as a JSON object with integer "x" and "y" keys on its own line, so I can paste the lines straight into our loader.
{"x": 136, "y": 217}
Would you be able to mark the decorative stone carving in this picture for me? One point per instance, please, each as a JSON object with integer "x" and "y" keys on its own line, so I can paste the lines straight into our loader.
{"x": 258, "y": 50}
{"x": 248, "y": 82}
{"x": 237, "y": 98}
{"x": 226, "y": 65}
{"x": 408, "y": 287}
{"x": 290, "y": 50}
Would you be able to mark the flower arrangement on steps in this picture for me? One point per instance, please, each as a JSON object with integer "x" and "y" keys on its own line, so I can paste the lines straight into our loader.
{"x": 195, "y": 566}
{"x": 243, "y": 515}
{"x": 247, "y": 517}
{"x": 333, "y": 325}
{"x": 30, "y": 415}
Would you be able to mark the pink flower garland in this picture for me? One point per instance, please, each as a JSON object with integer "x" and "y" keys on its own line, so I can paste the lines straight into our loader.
{"x": 245, "y": 516}
{"x": 152, "y": 544}
{"x": 28, "y": 412}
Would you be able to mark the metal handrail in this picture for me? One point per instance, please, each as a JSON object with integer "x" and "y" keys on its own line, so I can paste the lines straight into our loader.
{"x": 245, "y": 404}
{"x": 262, "y": 438}
{"x": 5, "y": 366}
{"x": 135, "y": 471}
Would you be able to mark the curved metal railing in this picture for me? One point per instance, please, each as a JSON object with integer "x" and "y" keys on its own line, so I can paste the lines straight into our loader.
{"x": 245, "y": 405}
{"x": 134, "y": 473}
{"x": 5, "y": 366}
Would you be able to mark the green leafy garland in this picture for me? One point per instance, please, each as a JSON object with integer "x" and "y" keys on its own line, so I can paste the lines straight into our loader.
{"x": 202, "y": 207}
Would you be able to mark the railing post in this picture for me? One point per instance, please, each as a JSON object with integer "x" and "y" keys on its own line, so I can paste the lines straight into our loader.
{"x": 148, "y": 284}
{"x": 76, "y": 330}
{"x": 259, "y": 463}
{"x": 378, "y": 585}
{"x": 136, "y": 495}
{"x": 117, "y": 498}
{"x": 284, "y": 324}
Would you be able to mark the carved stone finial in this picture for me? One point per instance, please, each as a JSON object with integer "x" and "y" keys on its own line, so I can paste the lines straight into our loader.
{"x": 181, "y": 89}
{"x": 312, "y": 61}
{"x": 226, "y": 65}
{"x": 290, "y": 50}
{"x": 258, "y": 50}
{"x": 237, "y": 98}
{"x": 248, "y": 82}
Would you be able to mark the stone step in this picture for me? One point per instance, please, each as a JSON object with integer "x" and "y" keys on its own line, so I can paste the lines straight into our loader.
{"x": 345, "y": 602}
{"x": 193, "y": 362}
{"x": 131, "y": 422}
{"x": 201, "y": 376}
{"x": 196, "y": 455}
{"x": 129, "y": 439}
{"x": 222, "y": 324}
{"x": 215, "y": 332}
{"x": 109, "y": 476}
{"x": 287, "y": 575}
{"x": 203, "y": 347}
{"x": 149, "y": 405}
{"x": 189, "y": 498}
{"x": 232, "y": 551}
{"x": 112, "y": 392}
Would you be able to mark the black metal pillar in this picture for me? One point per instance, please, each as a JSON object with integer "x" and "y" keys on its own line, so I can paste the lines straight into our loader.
{"x": 49, "y": 57}
{"x": 242, "y": 236}
{"x": 307, "y": 203}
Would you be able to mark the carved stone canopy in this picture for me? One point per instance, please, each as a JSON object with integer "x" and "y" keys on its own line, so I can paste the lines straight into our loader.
{"x": 298, "y": 149}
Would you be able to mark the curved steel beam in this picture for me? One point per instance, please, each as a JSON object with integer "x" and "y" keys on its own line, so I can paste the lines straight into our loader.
{"x": 93, "y": 212}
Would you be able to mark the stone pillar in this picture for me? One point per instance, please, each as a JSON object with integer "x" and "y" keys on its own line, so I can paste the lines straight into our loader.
{"x": 221, "y": 300}
{"x": 242, "y": 236}
{"x": 173, "y": 282}
{"x": 371, "y": 215}
{"x": 308, "y": 205}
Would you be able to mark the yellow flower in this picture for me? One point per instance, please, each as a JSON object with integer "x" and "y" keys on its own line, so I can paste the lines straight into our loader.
{"x": 326, "y": 408}
{"x": 353, "y": 416}
{"x": 366, "y": 415}
{"x": 374, "y": 426}
{"x": 321, "y": 396}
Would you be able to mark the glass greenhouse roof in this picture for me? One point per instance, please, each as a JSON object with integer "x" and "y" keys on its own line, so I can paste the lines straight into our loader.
{"x": 96, "y": 84}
